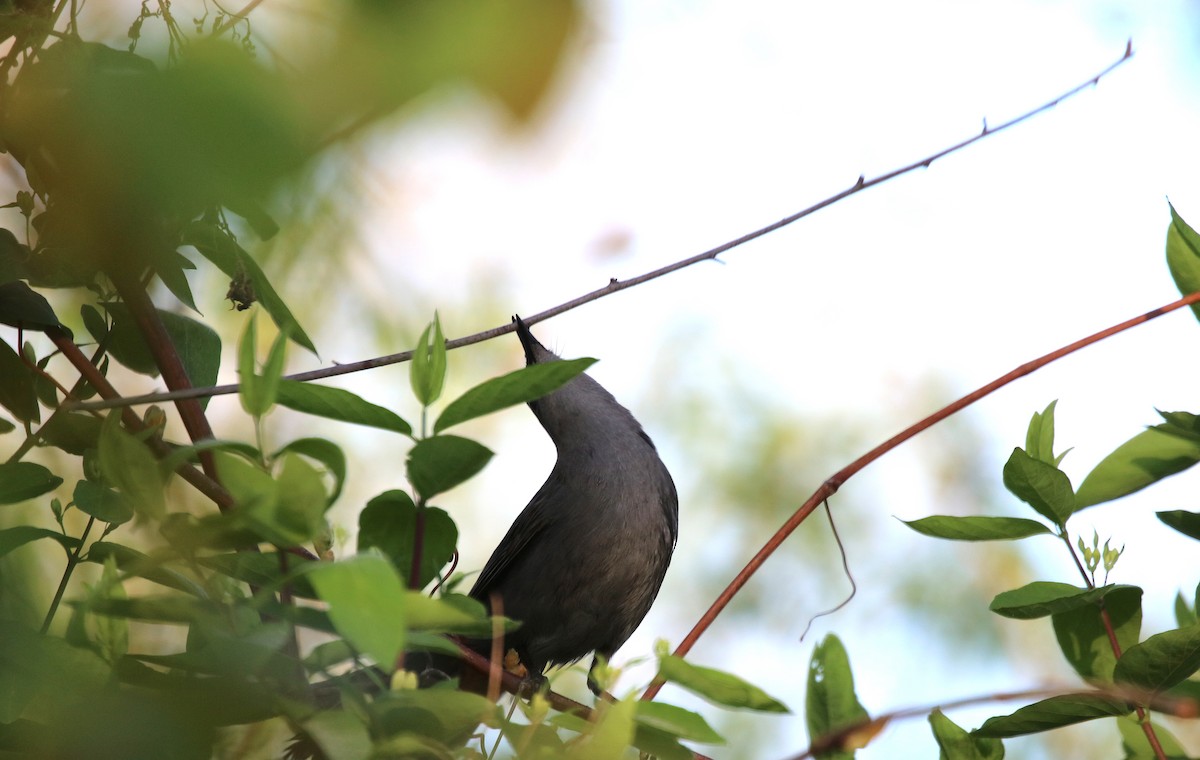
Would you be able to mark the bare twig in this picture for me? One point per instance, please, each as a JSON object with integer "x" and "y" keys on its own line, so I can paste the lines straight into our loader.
{"x": 614, "y": 285}
{"x": 835, "y": 481}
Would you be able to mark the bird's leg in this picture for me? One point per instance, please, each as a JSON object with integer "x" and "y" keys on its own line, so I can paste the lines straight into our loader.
{"x": 594, "y": 685}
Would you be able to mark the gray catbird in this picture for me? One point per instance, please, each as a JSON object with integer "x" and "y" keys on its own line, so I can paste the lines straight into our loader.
{"x": 582, "y": 563}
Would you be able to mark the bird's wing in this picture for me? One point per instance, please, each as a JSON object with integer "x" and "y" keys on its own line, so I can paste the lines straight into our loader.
{"x": 534, "y": 519}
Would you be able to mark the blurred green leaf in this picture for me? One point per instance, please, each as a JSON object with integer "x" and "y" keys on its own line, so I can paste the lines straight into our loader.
{"x": 366, "y": 603}
{"x": 1083, "y": 635}
{"x": 18, "y": 536}
{"x": 341, "y": 735}
{"x": 611, "y": 732}
{"x": 677, "y": 722}
{"x": 73, "y": 432}
{"x": 1150, "y": 456}
{"x": 1137, "y": 746}
{"x": 1161, "y": 661}
{"x": 264, "y": 570}
{"x": 517, "y": 387}
{"x": 1042, "y": 486}
{"x": 136, "y": 563}
{"x": 716, "y": 686}
{"x": 16, "y": 386}
{"x": 1052, "y": 713}
{"x": 129, "y": 466}
{"x": 977, "y": 528}
{"x": 21, "y": 306}
{"x": 102, "y": 503}
{"x": 440, "y": 463}
{"x": 327, "y": 453}
{"x": 338, "y": 404}
{"x": 955, "y": 743}
{"x": 21, "y": 481}
{"x": 388, "y": 523}
{"x": 255, "y": 394}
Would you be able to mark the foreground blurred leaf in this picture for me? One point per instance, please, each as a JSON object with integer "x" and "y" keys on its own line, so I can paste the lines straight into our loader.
{"x": 1187, "y": 523}
{"x": 128, "y": 465}
{"x": 366, "y": 603}
{"x": 956, "y": 744}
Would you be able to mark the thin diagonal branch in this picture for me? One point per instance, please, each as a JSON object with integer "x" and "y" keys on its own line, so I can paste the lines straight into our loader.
{"x": 614, "y": 285}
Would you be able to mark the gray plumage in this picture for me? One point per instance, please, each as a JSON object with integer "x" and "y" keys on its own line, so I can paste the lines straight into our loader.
{"x": 583, "y": 562}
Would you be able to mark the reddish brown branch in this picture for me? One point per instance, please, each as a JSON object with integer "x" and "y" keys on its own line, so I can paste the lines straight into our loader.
{"x": 835, "y": 481}
{"x": 614, "y": 285}
{"x": 166, "y": 358}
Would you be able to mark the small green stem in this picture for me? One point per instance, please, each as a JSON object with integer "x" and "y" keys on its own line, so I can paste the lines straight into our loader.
{"x": 72, "y": 561}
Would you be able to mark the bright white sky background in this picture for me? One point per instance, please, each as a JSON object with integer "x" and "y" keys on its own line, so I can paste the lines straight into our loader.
{"x": 685, "y": 124}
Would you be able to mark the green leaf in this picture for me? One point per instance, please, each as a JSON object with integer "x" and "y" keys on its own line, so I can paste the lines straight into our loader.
{"x": 135, "y": 563}
{"x": 1187, "y": 523}
{"x": 1150, "y": 456}
{"x": 452, "y": 613}
{"x": 1137, "y": 746}
{"x": 366, "y": 603}
{"x": 221, "y": 249}
{"x": 517, "y": 387}
{"x": 169, "y": 268}
{"x": 257, "y": 396}
{"x": 21, "y": 306}
{"x": 1042, "y": 598}
{"x": 1042, "y": 486}
{"x": 440, "y": 463}
{"x": 16, "y": 386}
{"x": 427, "y": 373}
{"x": 13, "y": 538}
{"x": 831, "y": 704}
{"x": 1039, "y": 439}
{"x": 611, "y": 734}
{"x": 1052, "y": 713}
{"x": 1183, "y": 257}
{"x": 1083, "y": 636}
{"x": 21, "y": 481}
{"x": 264, "y": 570}
{"x": 716, "y": 686}
{"x": 102, "y": 503}
{"x": 129, "y": 466}
{"x": 338, "y": 404}
{"x": 286, "y": 511}
{"x": 341, "y": 735}
{"x": 1162, "y": 660}
{"x": 73, "y": 432}
{"x": 198, "y": 345}
{"x": 112, "y": 633}
{"x": 676, "y": 721}
{"x": 327, "y": 453}
{"x": 388, "y": 523}
{"x": 974, "y": 528}
{"x": 956, "y": 744}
